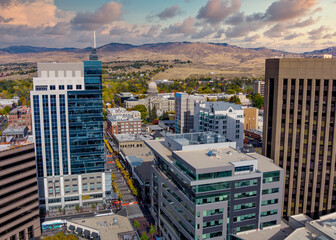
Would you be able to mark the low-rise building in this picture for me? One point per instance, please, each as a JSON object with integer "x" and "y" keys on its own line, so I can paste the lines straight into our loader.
{"x": 125, "y": 96}
{"x": 18, "y": 133}
{"x": 9, "y": 102}
{"x": 123, "y": 112}
{"x": 123, "y": 124}
{"x": 220, "y": 117}
{"x": 203, "y": 188}
{"x": 103, "y": 227}
{"x": 164, "y": 81}
{"x": 20, "y": 117}
{"x": 122, "y": 141}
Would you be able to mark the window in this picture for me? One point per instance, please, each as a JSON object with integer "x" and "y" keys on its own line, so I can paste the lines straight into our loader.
{"x": 245, "y": 194}
{"x": 244, "y": 217}
{"x": 69, "y": 87}
{"x": 270, "y": 191}
{"x": 270, "y": 177}
{"x": 212, "y": 212}
{"x": 30, "y": 232}
{"x": 211, "y": 187}
{"x": 244, "y": 206}
{"x": 269, "y": 202}
{"x": 244, "y": 168}
{"x": 61, "y": 87}
{"x": 269, "y": 213}
{"x": 246, "y": 183}
{"x": 52, "y": 87}
{"x": 78, "y": 86}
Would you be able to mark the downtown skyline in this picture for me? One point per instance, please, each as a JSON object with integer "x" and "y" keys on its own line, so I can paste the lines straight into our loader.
{"x": 291, "y": 25}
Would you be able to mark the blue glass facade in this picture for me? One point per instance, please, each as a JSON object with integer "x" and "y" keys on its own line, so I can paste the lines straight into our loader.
{"x": 54, "y": 134}
{"x": 63, "y": 134}
{"x": 85, "y": 115}
{"x": 37, "y": 123}
{"x": 45, "y": 102}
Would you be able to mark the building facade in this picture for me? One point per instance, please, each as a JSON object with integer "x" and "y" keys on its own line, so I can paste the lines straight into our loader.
{"x": 184, "y": 111}
{"x": 299, "y": 131}
{"x": 162, "y": 102}
{"x": 259, "y": 87}
{"x": 251, "y": 118}
{"x": 68, "y": 131}
{"x": 20, "y": 117}
{"x": 122, "y": 112}
{"x": 220, "y": 117}
{"x": 123, "y": 124}
{"x": 202, "y": 188}
{"x": 19, "y": 215}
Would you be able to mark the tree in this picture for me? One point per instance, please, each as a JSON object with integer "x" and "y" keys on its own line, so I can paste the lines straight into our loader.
{"x": 152, "y": 230}
{"x": 93, "y": 206}
{"x": 152, "y": 115}
{"x": 136, "y": 224}
{"x": 61, "y": 236}
{"x": 257, "y": 100}
{"x": 142, "y": 109}
{"x": 144, "y": 236}
{"x": 235, "y": 99}
{"x": 165, "y": 116}
{"x": 6, "y": 110}
{"x": 77, "y": 208}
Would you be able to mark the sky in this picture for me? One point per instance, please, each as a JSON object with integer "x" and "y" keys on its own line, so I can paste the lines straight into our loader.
{"x": 290, "y": 25}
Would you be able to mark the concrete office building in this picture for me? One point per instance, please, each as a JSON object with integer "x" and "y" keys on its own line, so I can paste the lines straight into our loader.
{"x": 203, "y": 188}
{"x": 259, "y": 87}
{"x": 68, "y": 131}
{"x": 184, "y": 111}
{"x": 299, "y": 131}
{"x": 19, "y": 215}
{"x": 220, "y": 117}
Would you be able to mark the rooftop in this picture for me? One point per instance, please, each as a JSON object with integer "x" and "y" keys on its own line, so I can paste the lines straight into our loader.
{"x": 126, "y": 137}
{"x": 221, "y": 106}
{"x": 21, "y": 109}
{"x": 138, "y": 155}
{"x": 123, "y": 118}
{"x": 109, "y": 226}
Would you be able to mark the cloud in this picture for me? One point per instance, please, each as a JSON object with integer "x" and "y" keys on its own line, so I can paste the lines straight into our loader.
{"x": 317, "y": 33}
{"x": 215, "y": 11}
{"x": 107, "y": 13}
{"x": 5, "y": 20}
{"x": 292, "y": 36}
{"x": 289, "y": 9}
{"x": 252, "y": 38}
{"x": 169, "y": 12}
{"x": 186, "y": 27}
{"x": 305, "y": 23}
{"x": 61, "y": 28}
{"x": 276, "y": 31}
{"x": 152, "y": 31}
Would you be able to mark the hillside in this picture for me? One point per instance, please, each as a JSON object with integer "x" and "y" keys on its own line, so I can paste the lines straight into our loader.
{"x": 205, "y": 57}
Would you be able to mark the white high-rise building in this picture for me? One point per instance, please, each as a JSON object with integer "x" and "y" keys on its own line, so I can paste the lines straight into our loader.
{"x": 67, "y": 124}
{"x": 220, "y": 117}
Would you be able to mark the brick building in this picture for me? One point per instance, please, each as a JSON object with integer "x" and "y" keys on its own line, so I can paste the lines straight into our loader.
{"x": 20, "y": 117}
{"x": 123, "y": 124}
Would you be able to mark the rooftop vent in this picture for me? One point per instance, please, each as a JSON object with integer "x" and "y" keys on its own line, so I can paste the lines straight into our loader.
{"x": 229, "y": 153}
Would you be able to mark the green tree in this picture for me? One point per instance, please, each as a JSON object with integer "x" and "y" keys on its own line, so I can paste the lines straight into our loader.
{"x": 164, "y": 116}
{"x": 257, "y": 100}
{"x": 93, "y": 206}
{"x": 6, "y": 110}
{"x": 230, "y": 91}
{"x": 234, "y": 99}
{"x": 136, "y": 224}
{"x": 142, "y": 109}
{"x": 152, "y": 230}
{"x": 152, "y": 115}
{"x": 61, "y": 236}
{"x": 144, "y": 236}
{"x": 77, "y": 208}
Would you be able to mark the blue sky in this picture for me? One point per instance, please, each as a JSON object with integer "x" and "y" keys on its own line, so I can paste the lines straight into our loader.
{"x": 292, "y": 25}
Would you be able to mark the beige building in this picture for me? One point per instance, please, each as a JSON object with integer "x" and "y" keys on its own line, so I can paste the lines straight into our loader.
{"x": 162, "y": 103}
{"x": 299, "y": 131}
{"x": 259, "y": 87}
{"x": 251, "y": 118}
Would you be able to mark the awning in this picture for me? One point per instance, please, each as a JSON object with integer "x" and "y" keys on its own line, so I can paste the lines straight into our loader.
{"x": 87, "y": 233}
{"x": 72, "y": 227}
{"x": 79, "y": 230}
{"x": 94, "y": 234}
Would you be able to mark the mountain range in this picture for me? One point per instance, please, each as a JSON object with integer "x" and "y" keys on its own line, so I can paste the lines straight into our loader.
{"x": 220, "y": 57}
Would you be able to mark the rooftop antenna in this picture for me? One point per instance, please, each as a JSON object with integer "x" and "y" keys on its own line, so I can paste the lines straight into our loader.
{"x": 94, "y": 39}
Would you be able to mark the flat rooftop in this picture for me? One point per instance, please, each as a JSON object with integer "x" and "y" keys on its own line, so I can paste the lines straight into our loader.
{"x": 202, "y": 159}
{"x": 278, "y": 232}
{"x": 126, "y": 137}
{"x": 138, "y": 154}
{"x": 108, "y": 231}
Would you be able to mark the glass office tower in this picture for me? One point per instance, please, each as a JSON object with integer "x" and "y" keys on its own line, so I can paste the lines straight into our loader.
{"x": 68, "y": 131}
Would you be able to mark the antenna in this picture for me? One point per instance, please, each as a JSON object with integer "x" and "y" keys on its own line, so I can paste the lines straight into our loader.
{"x": 94, "y": 39}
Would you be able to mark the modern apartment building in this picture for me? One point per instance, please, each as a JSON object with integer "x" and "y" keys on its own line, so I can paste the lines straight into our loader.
{"x": 259, "y": 87}
{"x": 202, "y": 188}
{"x": 123, "y": 124}
{"x": 299, "y": 131}
{"x": 184, "y": 111}
{"x": 68, "y": 131}
{"x": 20, "y": 117}
{"x": 220, "y": 117}
{"x": 19, "y": 204}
